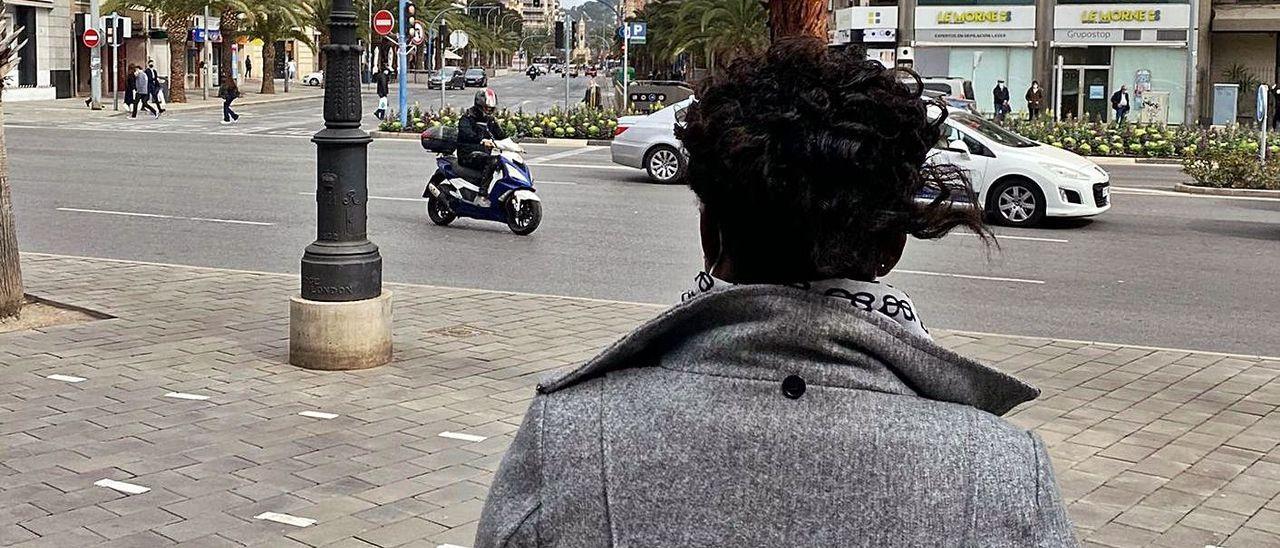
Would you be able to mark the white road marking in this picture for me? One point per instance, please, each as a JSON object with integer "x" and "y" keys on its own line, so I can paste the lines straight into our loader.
{"x": 127, "y": 488}
{"x": 559, "y": 155}
{"x": 449, "y": 546}
{"x": 286, "y": 519}
{"x": 186, "y": 396}
{"x": 159, "y": 216}
{"x": 1159, "y": 192}
{"x": 463, "y": 437}
{"x": 319, "y": 415}
{"x": 536, "y": 183}
{"x": 65, "y": 378}
{"x": 589, "y": 166}
{"x": 969, "y": 277}
{"x": 1023, "y": 238}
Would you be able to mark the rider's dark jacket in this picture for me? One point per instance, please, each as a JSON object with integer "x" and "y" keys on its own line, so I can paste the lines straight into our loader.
{"x": 473, "y": 127}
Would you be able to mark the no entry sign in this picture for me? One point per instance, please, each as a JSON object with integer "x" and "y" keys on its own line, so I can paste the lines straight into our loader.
{"x": 383, "y": 22}
{"x": 91, "y": 38}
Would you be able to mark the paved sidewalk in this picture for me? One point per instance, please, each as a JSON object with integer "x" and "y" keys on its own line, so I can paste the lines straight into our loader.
{"x": 74, "y": 109}
{"x": 1152, "y": 447}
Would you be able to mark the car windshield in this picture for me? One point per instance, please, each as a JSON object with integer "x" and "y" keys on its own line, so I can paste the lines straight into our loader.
{"x": 475, "y": 72}
{"x": 449, "y": 71}
{"x": 992, "y": 131}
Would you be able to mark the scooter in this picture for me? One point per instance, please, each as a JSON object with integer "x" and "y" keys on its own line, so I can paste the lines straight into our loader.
{"x": 454, "y": 191}
{"x": 532, "y": 73}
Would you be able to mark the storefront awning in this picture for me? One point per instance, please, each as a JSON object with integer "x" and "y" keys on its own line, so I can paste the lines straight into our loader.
{"x": 1246, "y": 18}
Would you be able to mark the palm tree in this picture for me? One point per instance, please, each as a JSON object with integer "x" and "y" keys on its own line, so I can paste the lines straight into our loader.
{"x": 176, "y": 16}
{"x": 716, "y": 31}
{"x": 798, "y": 18}
{"x": 10, "y": 269}
{"x": 272, "y": 21}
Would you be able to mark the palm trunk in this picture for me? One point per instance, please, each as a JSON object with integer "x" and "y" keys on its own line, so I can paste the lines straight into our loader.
{"x": 228, "y": 23}
{"x": 10, "y": 269}
{"x": 178, "y": 28}
{"x": 268, "y": 67}
{"x": 798, "y": 18}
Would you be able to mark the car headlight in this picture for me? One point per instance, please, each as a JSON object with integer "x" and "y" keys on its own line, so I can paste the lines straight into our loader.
{"x": 1065, "y": 172}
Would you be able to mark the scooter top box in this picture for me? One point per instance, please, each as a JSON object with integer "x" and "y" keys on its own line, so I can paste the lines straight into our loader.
{"x": 440, "y": 139}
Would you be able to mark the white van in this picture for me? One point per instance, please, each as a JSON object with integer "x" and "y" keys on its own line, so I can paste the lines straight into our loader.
{"x": 1019, "y": 181}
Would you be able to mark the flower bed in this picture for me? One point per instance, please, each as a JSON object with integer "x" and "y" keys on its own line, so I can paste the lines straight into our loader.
{"x": 582, "y": 123}
{"x": 1138, "y": 140}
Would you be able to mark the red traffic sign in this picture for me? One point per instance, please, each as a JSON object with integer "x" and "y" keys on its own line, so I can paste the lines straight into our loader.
{"x": 383, "y": 22}
{"x": 91, "y": 38}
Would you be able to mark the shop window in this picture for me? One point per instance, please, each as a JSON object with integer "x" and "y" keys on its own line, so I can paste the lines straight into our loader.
{"x": 1171, "y": 35}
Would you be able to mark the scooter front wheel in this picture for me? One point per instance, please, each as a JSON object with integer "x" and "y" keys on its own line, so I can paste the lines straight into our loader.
{"x": 524, "y": 217}
{"x": 439, "y": 211}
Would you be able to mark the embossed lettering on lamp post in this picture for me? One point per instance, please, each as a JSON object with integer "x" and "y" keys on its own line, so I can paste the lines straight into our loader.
{"x": 342, "y": 319}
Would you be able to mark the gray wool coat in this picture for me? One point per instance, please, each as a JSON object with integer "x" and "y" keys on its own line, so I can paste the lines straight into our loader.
{"x": 771, "y": 416}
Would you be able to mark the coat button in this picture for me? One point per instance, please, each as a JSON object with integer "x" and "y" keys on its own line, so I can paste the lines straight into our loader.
{"x": 792, "y": 387}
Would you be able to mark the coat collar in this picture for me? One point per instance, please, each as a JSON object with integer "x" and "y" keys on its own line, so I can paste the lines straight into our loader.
{"x": 767, "y": 332}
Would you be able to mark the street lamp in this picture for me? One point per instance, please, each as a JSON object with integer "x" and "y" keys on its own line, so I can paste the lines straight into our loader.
{"x": 342, "y": 319}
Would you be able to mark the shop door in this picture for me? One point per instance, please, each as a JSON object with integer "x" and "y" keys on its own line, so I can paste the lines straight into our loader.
{"x": 1097, "y": 105}
{"x": 1071, "y": 107}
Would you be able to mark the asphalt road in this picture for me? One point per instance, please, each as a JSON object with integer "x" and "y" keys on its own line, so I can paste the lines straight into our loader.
{"x": 1159, "y": 269}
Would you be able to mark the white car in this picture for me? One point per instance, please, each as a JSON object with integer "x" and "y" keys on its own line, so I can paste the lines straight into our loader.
{"x": 649, "y": 143}
{"x": 313, "y": 79}
{"x": 1019, "y": 182}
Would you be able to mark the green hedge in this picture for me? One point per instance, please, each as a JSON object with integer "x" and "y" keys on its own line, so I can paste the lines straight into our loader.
{"x": 1137, "y": 140}
{"x": 581, "y": 123}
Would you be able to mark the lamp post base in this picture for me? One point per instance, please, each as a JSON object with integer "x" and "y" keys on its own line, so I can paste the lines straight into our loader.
{"x": 334, "y": 336}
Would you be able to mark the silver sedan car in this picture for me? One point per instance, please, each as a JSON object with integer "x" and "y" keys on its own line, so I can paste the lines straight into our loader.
{"x": 649, "y": 143}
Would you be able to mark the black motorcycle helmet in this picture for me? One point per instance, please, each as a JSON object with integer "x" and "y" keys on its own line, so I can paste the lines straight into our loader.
{"x": 486, "y": 100}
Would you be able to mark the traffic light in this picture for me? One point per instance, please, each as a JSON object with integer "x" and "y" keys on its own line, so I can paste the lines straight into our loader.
{"x": 573, "y": 33}
{"x": 559, "y": 34}
{"x": 410, "y": 10}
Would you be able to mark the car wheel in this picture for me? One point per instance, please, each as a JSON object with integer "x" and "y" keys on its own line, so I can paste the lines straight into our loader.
{"x": 664, "y": 164}
{"x": 1017, "y": 202}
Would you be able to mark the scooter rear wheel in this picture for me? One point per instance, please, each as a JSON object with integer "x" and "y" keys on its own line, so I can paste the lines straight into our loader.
{"x": 439, "y": 211}
{"x": 525, "y": 220}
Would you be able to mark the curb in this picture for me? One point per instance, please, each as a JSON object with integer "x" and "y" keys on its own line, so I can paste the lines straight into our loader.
{"x": 1133, "y": 160}
{"x": 1249, "y": 192}
{"x": 395, "y": 135}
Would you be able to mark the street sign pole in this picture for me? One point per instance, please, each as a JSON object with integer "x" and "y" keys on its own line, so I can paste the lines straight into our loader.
{"x": 1262, "y": 121}
{"x": 208, "y": 59}
{"x": 115, "y": 61}
{"x": 626, "y": 46}
{"x": 566, "y": 62}
{"x": 403, "y": 60}
{"x": 95, "y": 59}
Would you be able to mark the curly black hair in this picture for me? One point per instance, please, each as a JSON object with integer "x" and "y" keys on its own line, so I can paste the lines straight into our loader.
{"x": 809, "y": 158}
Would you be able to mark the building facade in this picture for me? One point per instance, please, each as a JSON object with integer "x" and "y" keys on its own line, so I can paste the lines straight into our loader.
{"x": 539, "y": 14}
{"x": 1168, "y": 54}
{"x": 44, "y": 71}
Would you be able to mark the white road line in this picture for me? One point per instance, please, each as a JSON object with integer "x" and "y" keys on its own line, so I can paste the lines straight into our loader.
{"x": 536, "y": 183}
{"x": 319, "y": 415}
{"x": 1174, "y": 194}
{"x": 286, "y": 519}
{"x": 127, "y": 488}
{"x": 65, "y": 378}
{"x": 186, "y": 396}
{"x": 589, "y": 166}
{"x": 1023, "y": 238}
{"x": 559, "y": 155}
{"x": 969, "y": 277}
{"x": 449, "y": 546}
{"x": 463, "y": 437}
{"x": 159, "y": 216}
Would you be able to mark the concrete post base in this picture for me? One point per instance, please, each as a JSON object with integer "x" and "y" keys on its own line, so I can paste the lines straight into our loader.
{"x": 338, "y": 336}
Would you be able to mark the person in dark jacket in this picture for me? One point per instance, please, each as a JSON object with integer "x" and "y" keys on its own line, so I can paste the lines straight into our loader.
{"x": 383, "y": 80}
{"x": 1120, "y": 104}
{"x": 131, "y": 90}
{"x": 1035, "y": 100}
{"x": 230, "y": 92}
{"x": 477, "y": 131}
{"x": 794, "y": 398}
{"x": 1001, "y": 94}
{"x": 153, "y": 84}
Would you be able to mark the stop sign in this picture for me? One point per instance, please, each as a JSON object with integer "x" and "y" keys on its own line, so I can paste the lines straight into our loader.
{"x": 91, "y": 38}
{"x": 383, "y": 22}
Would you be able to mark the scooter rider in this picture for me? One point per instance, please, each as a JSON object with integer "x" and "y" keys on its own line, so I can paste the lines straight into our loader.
{"x": 477, "y": 131}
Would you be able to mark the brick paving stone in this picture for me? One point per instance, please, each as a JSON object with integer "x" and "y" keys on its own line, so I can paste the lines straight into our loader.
{"x": 1151, "y": 447}
{"x": 400, "y": 533}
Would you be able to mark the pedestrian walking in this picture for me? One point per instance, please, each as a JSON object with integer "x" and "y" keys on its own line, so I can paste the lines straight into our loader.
{"x": 291, "y": 68}
{"x": 153, "y": 85}
{"x": 248, "y": 67}
{"x": 383, "y": 80}
{"x": 1035, "y": 100}
{"x": 1275, "y": 106}
{"x": 141, "y": 93}
{"x": 1120, "y": 104}
{"x": 130, "y": 91}
{"x": 793, "y": 398}
{"x": 1001, "y": 94}
{"x": 230, "y": 92}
